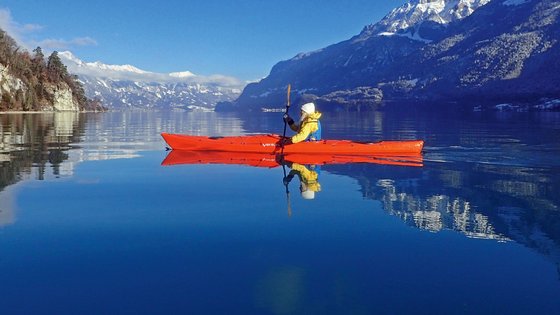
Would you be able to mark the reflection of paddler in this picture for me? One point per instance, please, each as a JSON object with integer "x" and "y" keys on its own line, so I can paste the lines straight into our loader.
{"x": 308, "y": 177}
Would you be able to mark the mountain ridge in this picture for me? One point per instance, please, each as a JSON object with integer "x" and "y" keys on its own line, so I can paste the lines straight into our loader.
{"x": 500, "y": 50}
{"x": 126, "y": 86}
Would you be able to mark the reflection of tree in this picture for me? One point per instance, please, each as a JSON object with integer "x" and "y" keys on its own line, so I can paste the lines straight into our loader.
{"x": 491, "y": 202}
{"x": 35, "y": 140}
{"x": 31, "y": 143}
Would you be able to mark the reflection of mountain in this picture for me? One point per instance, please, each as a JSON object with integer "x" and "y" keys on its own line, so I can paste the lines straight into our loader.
{"x": 492, "y": 176}
{"x": 435, "y": 212}
{"x": 489, "y": 202}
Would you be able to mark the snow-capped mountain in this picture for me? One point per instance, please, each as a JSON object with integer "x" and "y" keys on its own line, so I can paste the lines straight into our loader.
{"x": 365, "y": 57}
{"x": 125, "y": 86}
{"x": 424, "y": 50}
{"x": 411, "y": 16}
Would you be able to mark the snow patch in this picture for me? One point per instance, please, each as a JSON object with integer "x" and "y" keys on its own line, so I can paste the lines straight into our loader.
{"x": 414, "y": 36}
{"x": 515, "y": 2}
{"x": 307, "y": 54}
{"x": 348, "y": 61}
{"x": 102, "y": 82}
{"x": 549, "y": 105}
{"x": 412, "y": 82}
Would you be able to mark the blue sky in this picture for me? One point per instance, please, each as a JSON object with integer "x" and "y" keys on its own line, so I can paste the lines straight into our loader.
{"x": 242, "y": 38}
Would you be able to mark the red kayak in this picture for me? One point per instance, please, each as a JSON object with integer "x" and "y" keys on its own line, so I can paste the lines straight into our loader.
{"x": 270, "y": 144}
{"x": 176, "y": 157}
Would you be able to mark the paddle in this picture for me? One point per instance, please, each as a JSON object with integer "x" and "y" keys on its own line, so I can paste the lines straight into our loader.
{"x": 285, "y": 121}
{"x": 282, "y": 151}
{"x": 287, "y": 191}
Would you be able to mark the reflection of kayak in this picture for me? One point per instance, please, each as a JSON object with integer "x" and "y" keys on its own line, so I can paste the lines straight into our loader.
{"x": 269, "y": 143}
{"x": 270, "y": 160}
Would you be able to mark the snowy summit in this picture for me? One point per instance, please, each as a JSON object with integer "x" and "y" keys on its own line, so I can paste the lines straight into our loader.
{"x": 74, "y": 62}
{"x": 126, "y": 86}
{"x": 412, "y": 14}
{"x": 131, "y": 73}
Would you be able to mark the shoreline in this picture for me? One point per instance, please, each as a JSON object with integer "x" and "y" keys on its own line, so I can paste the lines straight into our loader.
{"x": 48, "y": 112}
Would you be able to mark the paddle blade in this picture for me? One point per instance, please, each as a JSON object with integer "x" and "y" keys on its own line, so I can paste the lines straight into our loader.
{"x": 288, "y": 96}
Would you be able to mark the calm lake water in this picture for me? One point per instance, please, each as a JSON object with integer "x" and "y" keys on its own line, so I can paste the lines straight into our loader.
{"x": 92, "y": 223}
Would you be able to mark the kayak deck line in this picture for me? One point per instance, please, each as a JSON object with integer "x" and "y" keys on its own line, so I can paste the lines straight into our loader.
{"x": 270, "y": 143}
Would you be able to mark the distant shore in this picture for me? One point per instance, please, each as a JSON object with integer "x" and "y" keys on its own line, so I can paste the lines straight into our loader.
{"x": 47, "y": 112}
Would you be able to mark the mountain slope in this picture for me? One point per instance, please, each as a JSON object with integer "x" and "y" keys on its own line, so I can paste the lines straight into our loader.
{"x": 515, "y": 55}
{"x": 430, "y": 49}
{"x": 125, "y": 86}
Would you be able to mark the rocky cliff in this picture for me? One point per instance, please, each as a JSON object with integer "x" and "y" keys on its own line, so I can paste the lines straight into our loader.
{"x": 60, "y": 94}
{"x": 31, "y": 82}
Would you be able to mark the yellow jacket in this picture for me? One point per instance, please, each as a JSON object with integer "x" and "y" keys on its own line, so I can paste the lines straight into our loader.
{"x": 306, "y": 176}
{"x": 306, "y": 127}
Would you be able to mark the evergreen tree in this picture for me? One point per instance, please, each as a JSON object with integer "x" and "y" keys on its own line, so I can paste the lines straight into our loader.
{"x": 38, "y": 61}
{"x": 56, "y": 69}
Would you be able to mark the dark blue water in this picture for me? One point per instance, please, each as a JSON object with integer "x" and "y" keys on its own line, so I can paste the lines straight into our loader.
{"x": 91, "y": 223}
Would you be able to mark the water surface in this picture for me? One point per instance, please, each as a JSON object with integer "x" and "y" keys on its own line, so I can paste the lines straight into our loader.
{"x": 90, "y": 222}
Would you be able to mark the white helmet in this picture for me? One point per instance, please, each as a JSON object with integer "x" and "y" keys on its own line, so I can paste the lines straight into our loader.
{"x": 309, "y": 108}
{"x": 308, "y": 194}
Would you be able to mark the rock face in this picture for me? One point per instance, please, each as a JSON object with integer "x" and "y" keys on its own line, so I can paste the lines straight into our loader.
{"x": 8, "y": 83}
{"x": 426, "y": 50}
{"x": 63, "y": 101}
{"x": 60, "y": 94}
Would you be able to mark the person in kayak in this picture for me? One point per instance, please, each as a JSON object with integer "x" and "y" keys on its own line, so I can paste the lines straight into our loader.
{"x": 309, "y": 126}
{"x": 308, "y": 178}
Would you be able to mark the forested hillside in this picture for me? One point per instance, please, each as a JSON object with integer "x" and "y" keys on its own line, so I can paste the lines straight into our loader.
{"x": 31, "y": 82}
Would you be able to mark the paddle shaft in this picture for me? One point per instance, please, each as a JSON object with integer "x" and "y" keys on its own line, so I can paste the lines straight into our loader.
{"x": 287, "y": 191}
{"x": 282, "y": 152}
{"x": 285, "y": 121}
